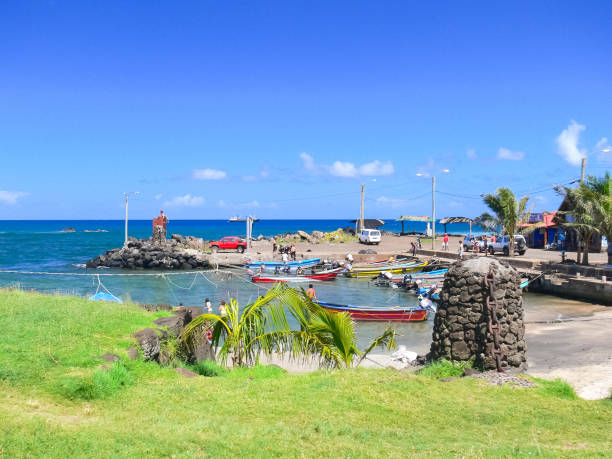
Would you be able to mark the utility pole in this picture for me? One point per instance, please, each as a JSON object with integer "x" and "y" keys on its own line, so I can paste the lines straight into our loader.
{"x": 433, "y": 213}
{"x": 361, "y": 212}
{"x": 583, "y": 169}
{"x": 126, "y": 220}
{"x": 127, "y": 195}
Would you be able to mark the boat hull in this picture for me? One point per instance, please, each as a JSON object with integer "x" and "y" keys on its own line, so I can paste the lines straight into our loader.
{"x": 375, "y": 314}
{"x": 321, "y": 276}
{"x": 397, "y": 269}
{"x": 292, "y": 264}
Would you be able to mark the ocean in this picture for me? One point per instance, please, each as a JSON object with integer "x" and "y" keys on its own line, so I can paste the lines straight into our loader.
{"x": 43, "y": 246}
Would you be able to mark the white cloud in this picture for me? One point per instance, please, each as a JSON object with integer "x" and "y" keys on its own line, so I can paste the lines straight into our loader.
{"x": 343, "y": 169}
{"x": 504, "y": 153}
{"x": 264, "y": 174}
{"x": 308, "y": 161}
{"x": 209, "y": 174}
{"x": 185, "y": 201}
{"x": 391, "y": 202}
{"x": 158, "y": 196}
{"x": 377, "y": 168}
{"x": 471, "y": 154}
{"x": 567, "y": 143}
{"x": 348, "y": 169}
{"x": 11, "y": 197}
{"x": 249, "y": 178}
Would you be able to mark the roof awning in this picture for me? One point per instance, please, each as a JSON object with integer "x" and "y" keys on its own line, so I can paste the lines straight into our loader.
{"x": 449, "y": 220}
{"x": 370, "y": 223}
{"x": 413, "y": 218}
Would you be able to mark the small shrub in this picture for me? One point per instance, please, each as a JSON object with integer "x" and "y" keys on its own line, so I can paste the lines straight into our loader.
{"x": 556, "y": 388}
{"x": 445, "y": 369}
{"x": 101, "y": 384}
{"x": 209, "y": 368}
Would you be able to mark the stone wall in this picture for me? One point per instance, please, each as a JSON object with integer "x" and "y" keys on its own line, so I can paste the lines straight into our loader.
{"x": 178, "y": 252}
{"x": 461, "y": 330}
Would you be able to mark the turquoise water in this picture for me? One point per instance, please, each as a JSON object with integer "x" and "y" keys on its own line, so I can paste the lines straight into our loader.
{"x": 41, "y": 246}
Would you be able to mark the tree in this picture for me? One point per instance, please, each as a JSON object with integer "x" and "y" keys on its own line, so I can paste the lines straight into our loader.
{"x": 589, "y": 211}
{"x": 508, "y": 213}
{"x": 263, "y": 327}
{"x": 599, "y": 192}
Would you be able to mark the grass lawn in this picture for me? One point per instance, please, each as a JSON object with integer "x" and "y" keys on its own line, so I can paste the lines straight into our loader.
{"x": 47, "y": 344}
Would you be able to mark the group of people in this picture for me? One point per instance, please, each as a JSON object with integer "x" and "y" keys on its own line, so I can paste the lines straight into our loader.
{"x": 286, "y": 251}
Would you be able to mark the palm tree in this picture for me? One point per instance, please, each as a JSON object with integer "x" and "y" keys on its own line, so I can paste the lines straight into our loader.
{"x": 508, "y": 213}
{"x": 263, "y": 327}
{"x": 589, "y": 206}
{"x": 599, "y": 192}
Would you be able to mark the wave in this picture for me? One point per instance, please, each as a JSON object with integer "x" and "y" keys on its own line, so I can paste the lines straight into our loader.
{"x": 79, "y": 265}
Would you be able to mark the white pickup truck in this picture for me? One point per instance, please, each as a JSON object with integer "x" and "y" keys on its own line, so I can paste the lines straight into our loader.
{"x": 503, "y": 245}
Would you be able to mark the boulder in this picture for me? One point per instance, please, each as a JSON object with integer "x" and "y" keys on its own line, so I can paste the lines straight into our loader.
{"x": 186, "y": 373}
{"x": 149, "y": 343}
{"x": 368, "y": 251}
{"x": 317, "y": 234}
{"x": 108, "y": 357}
{"x": 132, "y": 353}
{"x": 304, "y": 235}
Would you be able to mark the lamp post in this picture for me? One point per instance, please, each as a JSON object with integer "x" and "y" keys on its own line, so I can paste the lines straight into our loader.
{"x": 127, "y": 195}
{"x": 433, "y": 206}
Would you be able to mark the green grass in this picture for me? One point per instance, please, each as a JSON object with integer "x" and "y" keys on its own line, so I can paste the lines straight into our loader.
{"x": 56, "y": 401}
{"x": 444, "y": 369}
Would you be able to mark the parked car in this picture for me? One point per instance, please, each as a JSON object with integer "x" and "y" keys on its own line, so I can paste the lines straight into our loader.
{"x": 467, "y": 243}
{"x": 503, "y": 245}
{"x": 369, "y": 236}
{"x": 228, "y": 243}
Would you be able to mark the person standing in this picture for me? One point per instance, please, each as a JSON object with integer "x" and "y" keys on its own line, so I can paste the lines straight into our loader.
{"x": 311, "y": 293}
{"x": 285, "y": 258}
{"x": 208, "y": 306}
{"x": 413, "y": 249}
{"x": 445, "y": 242}
{"x": 460, "y": 250}
{"x": 293, "y": 251}
{"x": 223, "y": 309}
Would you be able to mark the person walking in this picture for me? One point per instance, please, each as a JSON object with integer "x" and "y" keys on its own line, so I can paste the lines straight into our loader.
{"x": 485, "y": 245}
{"x": 285, "y": 258}
{"x": 293, "y": 251}
{"x": 445, "y": 242}
{"x": 413, "y": 248}
{"x": 311, "y": 293}
{"x": 460, "y": 251}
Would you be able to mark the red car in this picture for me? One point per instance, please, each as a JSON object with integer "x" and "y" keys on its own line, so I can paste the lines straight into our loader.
{"x": 229, "y": 243}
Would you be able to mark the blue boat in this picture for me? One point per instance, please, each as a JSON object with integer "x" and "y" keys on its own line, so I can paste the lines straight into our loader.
{"x": 292, "y": 264}
{"x": 103, "y": 296}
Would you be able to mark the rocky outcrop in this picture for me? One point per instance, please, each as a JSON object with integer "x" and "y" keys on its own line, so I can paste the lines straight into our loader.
{"x": 461, "y": 326}
{"x": 178, "y": 252}
{"x": 149, "y": 343}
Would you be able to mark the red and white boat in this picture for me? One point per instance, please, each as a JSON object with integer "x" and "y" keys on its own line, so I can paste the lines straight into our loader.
{"x": 379, "y": 314}
{"x": 327, "y": 275}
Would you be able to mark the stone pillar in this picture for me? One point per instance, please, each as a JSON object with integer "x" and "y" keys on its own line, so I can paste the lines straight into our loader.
{"x": 461, "y": 330}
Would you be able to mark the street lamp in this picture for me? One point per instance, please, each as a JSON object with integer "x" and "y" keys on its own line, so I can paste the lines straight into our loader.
{"x": 127, "y": 195}
{"x": 433, "y": 206}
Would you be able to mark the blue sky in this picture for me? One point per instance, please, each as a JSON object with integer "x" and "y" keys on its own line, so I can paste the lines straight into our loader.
{"x": 282, "y": 109}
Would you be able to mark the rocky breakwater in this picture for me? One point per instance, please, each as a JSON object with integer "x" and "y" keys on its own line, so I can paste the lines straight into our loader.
{"x": 178, "y": 252}
{"x": 466, "y": 329}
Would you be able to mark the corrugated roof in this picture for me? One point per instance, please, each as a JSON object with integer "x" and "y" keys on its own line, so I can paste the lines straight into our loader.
{"x": 413, "y": 218}
{"x": 448, "y": 220}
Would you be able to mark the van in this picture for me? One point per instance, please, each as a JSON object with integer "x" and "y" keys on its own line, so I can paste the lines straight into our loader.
{"x": 369, "y": 236}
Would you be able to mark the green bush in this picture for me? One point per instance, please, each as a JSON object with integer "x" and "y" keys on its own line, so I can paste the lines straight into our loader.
{"x": 556, "y": 388}
{"x": 209, "y": 368}
{"x": 445, "y": 369}
{"x": 103, "y": 383}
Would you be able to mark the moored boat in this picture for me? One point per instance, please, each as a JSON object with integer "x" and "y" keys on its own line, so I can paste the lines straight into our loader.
{"x": 379, "y": 314}
{"x": 327, "y": 275}
{"x": 292, "y": 264}
{"x": 399, "y": 268}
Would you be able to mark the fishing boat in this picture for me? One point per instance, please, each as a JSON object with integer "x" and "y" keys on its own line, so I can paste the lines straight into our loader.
{"x": 428, "y": 274}
{"x": 273, "y": 264}
{"x": 398, "y": 268}
{"x": 379, "y": 314}
{"x": 326, "y": 275}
